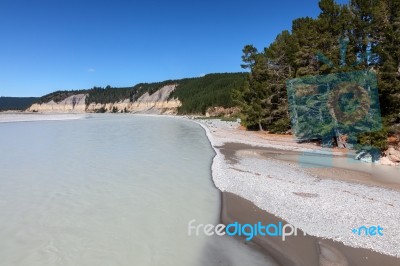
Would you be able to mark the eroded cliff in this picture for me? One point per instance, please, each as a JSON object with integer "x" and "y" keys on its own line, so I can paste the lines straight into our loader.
{"x": 155, "y": 103}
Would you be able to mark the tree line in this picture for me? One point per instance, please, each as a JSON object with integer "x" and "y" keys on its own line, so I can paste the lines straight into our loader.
{"x": 371, "y": 32}
{"x": 16, "y": 103}
{"x": 195, "y": 94}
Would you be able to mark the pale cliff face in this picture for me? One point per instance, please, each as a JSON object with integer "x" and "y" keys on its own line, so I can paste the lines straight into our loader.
{"x": 156, "y": 103}
{"x": 72, "y": 104}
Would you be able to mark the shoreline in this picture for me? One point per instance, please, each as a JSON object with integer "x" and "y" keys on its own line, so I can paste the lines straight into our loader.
{"x": 15, "y": 117}
{"x": 253, "y": 176}
{"x": 305, "y": 250}
{"x": 331, "y": 248}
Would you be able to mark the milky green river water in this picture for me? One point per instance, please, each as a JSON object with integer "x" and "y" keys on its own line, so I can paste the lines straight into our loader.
{"x": 110, "y": 190}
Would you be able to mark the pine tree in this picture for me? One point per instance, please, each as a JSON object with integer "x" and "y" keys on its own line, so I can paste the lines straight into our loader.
{"x": 280, "y": 56}
{"x": 386, "y": 29}
{"x": 252, "y": 97}
{"x": 304, "y": 31}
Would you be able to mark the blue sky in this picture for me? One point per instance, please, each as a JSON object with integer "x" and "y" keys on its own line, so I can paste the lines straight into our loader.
{"x": 52, "y": 45}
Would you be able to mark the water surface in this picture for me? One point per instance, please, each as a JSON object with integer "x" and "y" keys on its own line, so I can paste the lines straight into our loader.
{"x": 110, "y": 190}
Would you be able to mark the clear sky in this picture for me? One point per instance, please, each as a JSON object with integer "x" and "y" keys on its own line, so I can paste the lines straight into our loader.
{"x": 49, "y": 45}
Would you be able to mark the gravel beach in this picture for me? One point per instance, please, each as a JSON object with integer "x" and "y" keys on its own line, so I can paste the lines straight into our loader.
{"x": 319, "y": 204}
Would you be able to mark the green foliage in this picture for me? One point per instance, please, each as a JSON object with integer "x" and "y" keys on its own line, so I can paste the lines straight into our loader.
{"x": 386, "y": 45}
{"x": 262, "y": 98}
{"x": 108, "y": 95}
{"x": 371, "y": 29}
{"x": 376, "y": 139}
{"x": 16, "y": 103}
{"x": 197, "y": 94}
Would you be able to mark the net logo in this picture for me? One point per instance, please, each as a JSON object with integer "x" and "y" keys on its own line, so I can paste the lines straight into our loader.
{"x": 368, "y": 231}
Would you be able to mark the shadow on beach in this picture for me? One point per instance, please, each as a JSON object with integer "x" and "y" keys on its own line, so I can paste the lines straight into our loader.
{"x": 298, "y": 250}
{"x": 307, "y": 250}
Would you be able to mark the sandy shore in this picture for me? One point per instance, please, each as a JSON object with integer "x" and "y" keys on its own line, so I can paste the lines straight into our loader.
{"x": 325, "y": 201}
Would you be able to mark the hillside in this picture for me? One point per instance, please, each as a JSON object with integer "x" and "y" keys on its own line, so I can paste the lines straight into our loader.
{"x": 184, "y": 96}
{"x": 197, "y": 94}
{"x": 16, "y": 103}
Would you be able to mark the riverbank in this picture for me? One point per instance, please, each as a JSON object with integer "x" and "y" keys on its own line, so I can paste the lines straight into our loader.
{"x": 321, "y": 192}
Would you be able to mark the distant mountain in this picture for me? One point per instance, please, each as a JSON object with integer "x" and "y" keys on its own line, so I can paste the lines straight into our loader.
{"x": 16, "y": 103}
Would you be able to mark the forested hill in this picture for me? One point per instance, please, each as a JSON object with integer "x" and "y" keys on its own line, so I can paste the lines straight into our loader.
{"x": 195, "y": 94}
{"x": 16, "y": 103}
